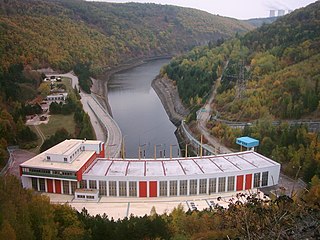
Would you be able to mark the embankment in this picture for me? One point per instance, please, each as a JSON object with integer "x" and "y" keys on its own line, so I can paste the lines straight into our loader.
{"x": 168, "y": 94}
{"x": 100, "y": 87}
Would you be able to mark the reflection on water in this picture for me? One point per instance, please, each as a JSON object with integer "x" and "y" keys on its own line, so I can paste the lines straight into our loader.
{"x": 139, "y": 112}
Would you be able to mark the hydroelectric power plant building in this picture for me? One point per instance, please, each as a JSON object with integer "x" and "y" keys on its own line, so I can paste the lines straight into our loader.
{"x": 80, "y": 167}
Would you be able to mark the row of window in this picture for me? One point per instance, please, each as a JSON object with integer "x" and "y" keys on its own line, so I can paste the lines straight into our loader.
{"x": 171, "y": 188}
{"x": 85, "y": 196}
{"x": 46, "y": 172}
{"x": 68, "y": 187}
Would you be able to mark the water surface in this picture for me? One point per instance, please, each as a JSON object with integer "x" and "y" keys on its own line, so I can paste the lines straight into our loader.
{"x": 139, "y": 112}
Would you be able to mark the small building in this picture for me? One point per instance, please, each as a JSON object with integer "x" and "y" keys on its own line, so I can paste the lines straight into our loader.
{"x": 87, "y": 194}
{"x": 57, "y": 97}
{"x": 248, "y": 142}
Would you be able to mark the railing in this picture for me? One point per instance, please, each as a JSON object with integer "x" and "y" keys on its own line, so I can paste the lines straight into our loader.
{"x": 117, "y": 152}
{"x": 194, "y": 141}
{"x": 10, "y": 160}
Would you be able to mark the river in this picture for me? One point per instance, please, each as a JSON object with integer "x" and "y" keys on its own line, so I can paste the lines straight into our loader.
{"x": 139, "y": 113}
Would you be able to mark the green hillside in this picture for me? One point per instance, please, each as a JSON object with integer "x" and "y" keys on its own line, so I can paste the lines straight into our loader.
{"x": 88, "y": 37}
{"x": 271, "y": 73}
{"x": 62, "y": 33}
{"x": 277, "y": 63}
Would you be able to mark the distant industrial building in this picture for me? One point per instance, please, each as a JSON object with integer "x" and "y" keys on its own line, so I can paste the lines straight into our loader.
{"x": 272, "y": 13}
{"x": 280, "y": 12}
{"x": 80, "y": 168}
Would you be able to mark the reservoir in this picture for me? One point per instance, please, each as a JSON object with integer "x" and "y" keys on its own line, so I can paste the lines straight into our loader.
{"x": 139, "y": 112}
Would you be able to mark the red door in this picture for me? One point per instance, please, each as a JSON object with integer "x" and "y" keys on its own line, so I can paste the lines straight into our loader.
{"x": 57, "y": 184}
{"x": 142, "y": 189}
{"x": 50, "y": 185}
{"x": 248, "y": 181}
{"x": 153, "y": 189}
{"x": 240, "y": 183}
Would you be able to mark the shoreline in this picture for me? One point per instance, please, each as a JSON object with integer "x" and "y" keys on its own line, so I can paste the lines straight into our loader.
{"x": 169, "y": 97}
{"x": 100, "y": 85}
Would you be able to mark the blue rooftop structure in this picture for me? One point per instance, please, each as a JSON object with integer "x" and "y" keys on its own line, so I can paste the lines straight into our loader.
{"x": 247, "y": 142}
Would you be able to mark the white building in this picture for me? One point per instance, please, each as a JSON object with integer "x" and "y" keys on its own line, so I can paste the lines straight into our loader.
{"x": 75, "y": 164}
{"x": 57, "y": 97}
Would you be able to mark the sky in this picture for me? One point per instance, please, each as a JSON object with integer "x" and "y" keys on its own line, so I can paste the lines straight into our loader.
{"x": 240, "y": 9}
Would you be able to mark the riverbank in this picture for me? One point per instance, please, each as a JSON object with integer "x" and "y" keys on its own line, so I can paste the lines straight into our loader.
{"x": 100, "y": 85}
{"x": 168, "y": 94}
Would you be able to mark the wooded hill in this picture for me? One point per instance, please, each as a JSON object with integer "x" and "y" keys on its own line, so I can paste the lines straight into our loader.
{"x": 62, "y": 33}
{"x": 278, "y": 63}
{"x": 271, "y": 73}
{"x": 88, "y": 37}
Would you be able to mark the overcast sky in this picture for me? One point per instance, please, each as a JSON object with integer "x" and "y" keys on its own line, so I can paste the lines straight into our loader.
{"x": 241, "y": 9}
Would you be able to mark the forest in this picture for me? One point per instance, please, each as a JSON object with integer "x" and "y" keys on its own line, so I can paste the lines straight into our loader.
{"x": 62, "y": 34}
{"x": 26, "y": 215}
{"x": 89, "y": 38}
{"x": 267, "y": 75}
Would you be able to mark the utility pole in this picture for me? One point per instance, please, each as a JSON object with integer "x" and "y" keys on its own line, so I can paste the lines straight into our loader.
{"x": 186, "y": 151}
{"x": 201, "y": 139}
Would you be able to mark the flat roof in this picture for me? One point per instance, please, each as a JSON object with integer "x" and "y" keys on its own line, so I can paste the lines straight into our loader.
{"x": 40, "y": 162}
{"x": 62, "y": 148}
{"x": 231, "y": 162}
{"x": 247, "y": 141}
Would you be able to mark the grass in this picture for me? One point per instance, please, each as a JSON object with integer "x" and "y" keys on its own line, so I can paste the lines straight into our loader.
{"x": 57, "y": 122}
{"x": 67, "y": 82}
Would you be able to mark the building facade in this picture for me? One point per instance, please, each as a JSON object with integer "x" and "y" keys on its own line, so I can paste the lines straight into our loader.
{"x": 76, "y": 164}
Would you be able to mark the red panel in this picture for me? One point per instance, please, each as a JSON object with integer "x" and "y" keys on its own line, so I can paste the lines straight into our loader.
{"x": 101, "y": 154}
{"x": 240, "y": 183}
{"x": 57, "y": 184}
{"x": 153, "y": 189}
{"x": 248, "y": 181}
{"x": 142, "y": 189}
{"x": 85, "y": 166}
{"x": 50, "y": 185}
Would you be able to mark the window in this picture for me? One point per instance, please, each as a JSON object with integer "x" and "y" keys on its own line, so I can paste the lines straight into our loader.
{"x": 90, "y": 197}
{"x": 34, "y": 182}
{"x": 65, "y": 159}
{"x": 222, "y": 184}
{"x": 73, "y": 187}
{"x": 93, "y": 184}
{"x": 112, "y": 188}
{"x": 231, "y": 183}
{"x": 193, "y": 186}
{"x": 203, "y": 186}
{"x": 183, "y": 187}
{"x": 103, "y": 188}
{"x": 264, "y": 181}
{"x": 81, "y": 196}
{"x": 132, "y": 189}
{"x": 83, "y": 184}
{"x": 256, "y": 180}
{"x": 173, "y": 188}
{"x": 212, "y": 185}
{"x": 42, "y": 185}
{"x": 163, "y": 188}
{"x": 48, "y": 158}
{"x": 65, "y": 185}
{"x": 122, "y": 188}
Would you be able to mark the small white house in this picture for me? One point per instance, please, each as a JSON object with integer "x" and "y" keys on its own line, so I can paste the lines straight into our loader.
{"x": 57, "y": 97}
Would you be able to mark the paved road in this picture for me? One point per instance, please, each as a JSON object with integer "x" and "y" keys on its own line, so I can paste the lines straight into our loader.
{"x": 106, "y": 129}
{"x": 203, "y": 117}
